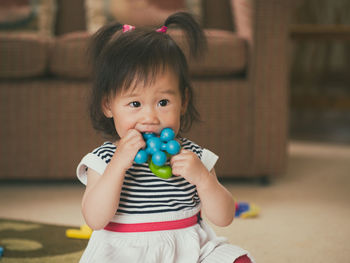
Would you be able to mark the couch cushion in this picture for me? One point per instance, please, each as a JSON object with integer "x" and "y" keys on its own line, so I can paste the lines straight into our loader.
{"x": 69, "y": 56}
{"x": 23, "y": 55}
{"x": 227, "y": 55}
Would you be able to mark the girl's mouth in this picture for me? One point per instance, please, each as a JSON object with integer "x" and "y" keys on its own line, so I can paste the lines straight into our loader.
{"x": 148, "y": 132}
{"x": 151, "y": 132}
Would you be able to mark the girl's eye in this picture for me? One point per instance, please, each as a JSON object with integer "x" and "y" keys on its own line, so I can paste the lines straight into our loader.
{"x": 163, "y": 103}
{"x": 135, "y": 104}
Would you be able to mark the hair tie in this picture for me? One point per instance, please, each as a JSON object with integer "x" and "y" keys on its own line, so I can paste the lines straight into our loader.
{"x": 163, "y": 29}
{"x": 127, "y": 28}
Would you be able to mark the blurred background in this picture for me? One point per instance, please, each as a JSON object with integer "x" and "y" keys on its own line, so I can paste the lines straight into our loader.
{"x": 320, "y": 79}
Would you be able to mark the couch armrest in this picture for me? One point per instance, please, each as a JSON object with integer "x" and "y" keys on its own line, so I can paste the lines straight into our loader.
{"x": 265, "y": 26}
{"x": 23, "y": 55}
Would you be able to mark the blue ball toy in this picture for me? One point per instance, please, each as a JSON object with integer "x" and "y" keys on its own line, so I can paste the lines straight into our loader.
{"x": 159, "y": 158}
{"x": 146, "y": 136}
{"x": 153, "y": 145}
{"x": 173, "y": 147}
{"x": 158, "y": 148}
{"x": 141, "y": 156}
{"x": 167, "y": 134}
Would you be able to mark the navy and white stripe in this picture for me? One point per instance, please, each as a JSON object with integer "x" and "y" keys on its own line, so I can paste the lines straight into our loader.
{"x": 105, "y": 152}
{"x": 145, "y": 193}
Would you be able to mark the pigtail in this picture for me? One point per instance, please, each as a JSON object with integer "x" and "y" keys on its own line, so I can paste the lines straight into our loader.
{"x": 194, "y": 34}
{"x": 97, "y": 45}
{"x": 100, "y": 39}
{"x": 196, "y": 45}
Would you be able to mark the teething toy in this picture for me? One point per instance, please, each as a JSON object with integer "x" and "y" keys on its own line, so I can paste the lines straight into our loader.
{"x": 83, "y": 233}
{"x": 159, "y": 148}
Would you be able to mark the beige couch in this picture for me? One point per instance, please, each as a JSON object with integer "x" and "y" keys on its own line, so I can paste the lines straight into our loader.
{"x": 241, "y": 89}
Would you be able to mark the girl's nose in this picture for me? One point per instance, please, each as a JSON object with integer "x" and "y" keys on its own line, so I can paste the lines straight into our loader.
{"x": 150, "y": 116}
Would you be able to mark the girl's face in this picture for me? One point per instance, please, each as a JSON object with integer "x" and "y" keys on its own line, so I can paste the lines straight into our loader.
{"x": 147, "y": 108}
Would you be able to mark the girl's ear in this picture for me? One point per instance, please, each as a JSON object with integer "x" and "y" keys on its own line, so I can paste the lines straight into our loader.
{"x": 184, "y": 103}
{"x": 106, "y": 108}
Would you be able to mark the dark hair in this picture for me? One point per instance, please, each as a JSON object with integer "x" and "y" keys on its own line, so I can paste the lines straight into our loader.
{"x": 122, "y": 59}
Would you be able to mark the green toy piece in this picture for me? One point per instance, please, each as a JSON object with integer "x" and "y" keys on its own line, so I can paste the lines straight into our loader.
{"x": 164, "y": 172}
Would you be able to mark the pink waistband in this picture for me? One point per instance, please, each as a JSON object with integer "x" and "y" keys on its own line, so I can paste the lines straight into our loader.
{"x": 156, "y": 226}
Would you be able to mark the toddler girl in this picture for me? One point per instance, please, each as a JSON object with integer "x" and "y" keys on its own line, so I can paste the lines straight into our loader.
{"x": 141, "y": 85}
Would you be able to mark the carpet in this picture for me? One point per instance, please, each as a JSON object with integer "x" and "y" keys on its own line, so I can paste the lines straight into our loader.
{"x": 32, "y": 242}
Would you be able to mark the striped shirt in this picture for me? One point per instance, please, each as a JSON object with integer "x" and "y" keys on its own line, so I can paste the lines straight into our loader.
{"x": 142, "y": 191}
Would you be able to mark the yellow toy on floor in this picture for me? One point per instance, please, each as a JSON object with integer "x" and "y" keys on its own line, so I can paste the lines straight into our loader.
{"x": 83, "y": 233}
{"x": 246, "y": 210}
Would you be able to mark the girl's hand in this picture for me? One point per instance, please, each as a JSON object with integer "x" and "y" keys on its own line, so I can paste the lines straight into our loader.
{"x": 188, "y": 165}
{"x": 127, "y": 148}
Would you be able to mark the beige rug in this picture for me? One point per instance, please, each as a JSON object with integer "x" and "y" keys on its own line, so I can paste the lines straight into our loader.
{"x": 305, "y": 214}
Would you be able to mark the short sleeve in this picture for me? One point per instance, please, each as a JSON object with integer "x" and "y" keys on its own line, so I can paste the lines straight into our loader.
{"x": 96, "y": 160}
{"x": 90, "y": 161}
{"x": 209, "y": 159}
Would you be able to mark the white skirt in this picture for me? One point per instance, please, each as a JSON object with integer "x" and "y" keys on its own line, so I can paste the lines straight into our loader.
{"x": 197, "y": 243}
